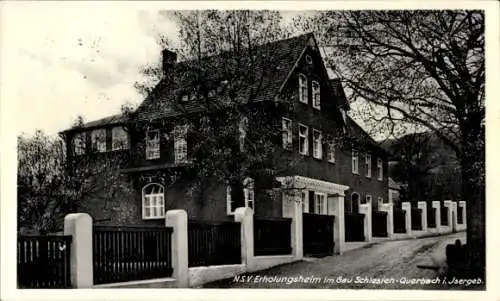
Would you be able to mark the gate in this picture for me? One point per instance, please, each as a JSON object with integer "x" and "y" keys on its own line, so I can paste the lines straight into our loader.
{"x": 43, "y": 261}
{"x": 318, "y": 234}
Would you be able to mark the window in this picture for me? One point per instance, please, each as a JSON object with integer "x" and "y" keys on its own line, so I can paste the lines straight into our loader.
{"x": 180, "y": 144}
{"x": 354, "y": 162}
{"x": 316, "y": 95}
{"x": 153, "y": 145}
{"x": 185, "y": 98}
{"x": 305, "y": 201}
{"x": 302, "y": 88}
{"x": 319, "y": 203}
{"x": 368, "y": 165}
{"x": 303, "y": 139}
{"x": 309, "y": 59}
{"x": 317, "y": 144}
{"x": 153, "y": 201}
{"x": 99, "y": 140}
{"x": 242, "y": 128}
{"x": 380, "y": 169}
{"x": 287, "y": 133}
{"x": 79, "y": 143}
{"x": 331, "y": 152}
{"x": 120, "y": 138}
{"x": 248, "y": 192}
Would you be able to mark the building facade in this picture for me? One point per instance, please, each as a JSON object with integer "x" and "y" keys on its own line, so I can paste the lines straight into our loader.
{"x": 150, "y": 157}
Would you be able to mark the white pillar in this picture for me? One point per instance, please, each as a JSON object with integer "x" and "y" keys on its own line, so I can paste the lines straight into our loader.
{"x": 295, "y": 213}
{"x": 367, "y": 210}
{"x": 464, "y": 214}
{"x": 177, "y": 219}
{"x": 437, "y": 205}
{"x": 79, "y": 226}
{"x": 406, "y": 206}
{"x": 448, "y": 204}
{"x": 244, "y": 216}
{"x": 336, "y": 207}
{"x": 423, "y": 207}
{"x": 454, "y": 215}
{"x": 388, "y": 207}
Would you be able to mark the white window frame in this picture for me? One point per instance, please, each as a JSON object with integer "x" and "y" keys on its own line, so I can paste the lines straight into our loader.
{"x": 154, "y": 201}
{"x": 248, "y": 192}
{"x": 380, "y": 169}
{"x": 303, "y": 89}
{"x": 306, "y": 140}
{"x": 242, "y": 129}
{"x": 180, "y": 144}
{"x": 317, "y": 144}
{"x": 368, "y": 165}
{"x": 79, "y": 144}
{"x": 320, "y": 207}
{"x": 153, "y": 145}
{"x": 316, "y": 95}
{"x": 331, "y": 152}
{"x": 355, "y": 163}
{"x": 304, "y": 195}
{"x": 287, "y": 133}
{"x": 98, "y": 145}
{"x": 119, "y": 138}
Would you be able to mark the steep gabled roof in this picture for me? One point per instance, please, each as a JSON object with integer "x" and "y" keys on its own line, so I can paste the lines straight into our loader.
{"x": 278, "y": 60}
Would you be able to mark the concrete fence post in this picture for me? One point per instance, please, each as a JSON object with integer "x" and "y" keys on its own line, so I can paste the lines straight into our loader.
{"x": 423, "y": 206}
{"x": 388, "y": 207}
{"x": 244, "y": 216}
{"x": 79, "y": 226}
{"x": 336, "y": 208}
{"x": 437, "y": 206}
{"x": 448, "y": 204}
{"x": 177, "y": 219}
{"x": 454, "y": 214}
{"x": 367, "y": 210}
{"x": 406, "y": 206}
{"x": 295, "y": 213}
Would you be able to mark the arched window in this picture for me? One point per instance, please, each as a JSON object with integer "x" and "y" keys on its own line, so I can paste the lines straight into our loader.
{"x": 153, "y": 201}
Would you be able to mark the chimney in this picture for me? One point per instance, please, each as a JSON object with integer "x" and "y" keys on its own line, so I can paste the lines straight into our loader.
{"x": 169, "y": 58}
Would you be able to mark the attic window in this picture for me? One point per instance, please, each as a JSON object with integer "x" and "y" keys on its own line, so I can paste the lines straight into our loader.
{"x": 309, "y": 59}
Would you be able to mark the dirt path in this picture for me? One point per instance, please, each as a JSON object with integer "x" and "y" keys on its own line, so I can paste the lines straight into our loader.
{"x": 389, "y": 262}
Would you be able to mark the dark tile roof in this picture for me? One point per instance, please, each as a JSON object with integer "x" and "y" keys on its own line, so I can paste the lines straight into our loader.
{"x": 277, "y": 60}
{"x": 106, "y": 121}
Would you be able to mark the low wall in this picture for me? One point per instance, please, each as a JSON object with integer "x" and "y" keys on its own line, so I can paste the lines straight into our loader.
{"x": 150, "y": 283}
{"x": 201, "y": 275}
{"x": 265, "y": 262}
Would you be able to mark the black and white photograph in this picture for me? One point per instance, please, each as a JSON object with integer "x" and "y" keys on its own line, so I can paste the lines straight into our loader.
{"x": 220, "y": 147}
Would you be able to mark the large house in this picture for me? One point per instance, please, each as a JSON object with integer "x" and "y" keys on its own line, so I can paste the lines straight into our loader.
{"x": 309, "y": 112}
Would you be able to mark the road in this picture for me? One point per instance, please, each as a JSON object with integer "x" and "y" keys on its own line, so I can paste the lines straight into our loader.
{"x": 392, "y": 262}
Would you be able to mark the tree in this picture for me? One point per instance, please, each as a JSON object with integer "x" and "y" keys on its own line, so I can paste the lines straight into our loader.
{"x": 49, "y": 186}
{"x": 425, "y": 68}
{"x": 224, "y": 66}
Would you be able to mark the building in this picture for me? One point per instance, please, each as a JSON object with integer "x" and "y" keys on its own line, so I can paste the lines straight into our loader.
{"x": 305, "y": 110}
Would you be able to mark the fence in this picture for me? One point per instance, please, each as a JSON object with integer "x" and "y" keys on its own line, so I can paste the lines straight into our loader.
{"x": 399, "y": 216}
{"x": 131, "y": 253}
{"x": 272, "y": 236}
{"x": 460, "y": 216}
{"x": 214, "y": 243}
{"x": 416, "y": 219}
{"x": 317, "y": 235}
{"x": 379, "y": 223}
{"x": 43, "y": 261}
{"x": 444, "y": 215}
{"x": 354, "y": 227}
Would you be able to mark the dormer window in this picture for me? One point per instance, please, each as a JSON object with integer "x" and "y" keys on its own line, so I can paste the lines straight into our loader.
{"x": 302, "y": 88}
{"x": 99, "y": 140}
{"x": 316, "y": 94}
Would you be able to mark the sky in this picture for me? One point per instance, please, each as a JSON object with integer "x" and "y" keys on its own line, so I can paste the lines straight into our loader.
{"x": 77, "y": 60}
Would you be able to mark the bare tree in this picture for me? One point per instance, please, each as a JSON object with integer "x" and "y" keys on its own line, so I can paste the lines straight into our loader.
{"x": 425, "y": 68}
